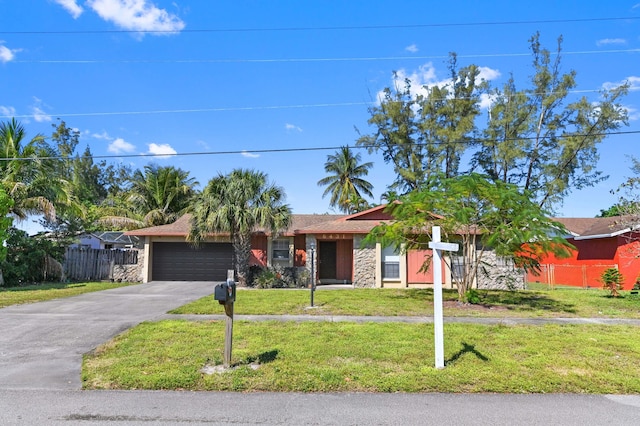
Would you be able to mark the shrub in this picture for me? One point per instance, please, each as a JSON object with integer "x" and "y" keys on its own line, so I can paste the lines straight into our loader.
{"x": 472, "y": 296}
{"x": 27, "y": 258}
{"x": 279, "y": 277}
{"x": 612, "y": 280}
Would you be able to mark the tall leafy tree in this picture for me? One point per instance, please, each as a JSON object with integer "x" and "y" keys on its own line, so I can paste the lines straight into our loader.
{"x": 346, "y": 182}
{"x": 239, "y": 203}
{"x": 161, "y": 194}
{"x": 482, "y": 215}
{"x": 425, "y": 131}
{"x": 537, "y": 139}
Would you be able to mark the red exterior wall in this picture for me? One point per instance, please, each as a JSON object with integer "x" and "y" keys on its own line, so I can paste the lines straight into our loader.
{"x": 258, "y": 251}
{"x": 589, "y": 260}
{"x": 374, "y": 215}
{"x": 415, "y": 259}
{"x": 629, "y": 259}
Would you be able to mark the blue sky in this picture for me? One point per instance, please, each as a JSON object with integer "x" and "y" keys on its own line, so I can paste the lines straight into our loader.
{"x": 278, "y": 75}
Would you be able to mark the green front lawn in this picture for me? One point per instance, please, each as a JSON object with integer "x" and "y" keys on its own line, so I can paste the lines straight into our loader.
{"x": 40, "y": 293}
{"x": 417, "y": 302}
{"x": 371, "y": 357}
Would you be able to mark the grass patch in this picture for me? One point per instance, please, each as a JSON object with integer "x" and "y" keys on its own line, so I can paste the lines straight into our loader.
{"x": 370, "y": 357}
{"x": 40, "y": 293}
{"x": 419, "y": 302}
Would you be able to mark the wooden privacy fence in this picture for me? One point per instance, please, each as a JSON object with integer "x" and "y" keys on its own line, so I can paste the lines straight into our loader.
{"x": 82, "y": 264}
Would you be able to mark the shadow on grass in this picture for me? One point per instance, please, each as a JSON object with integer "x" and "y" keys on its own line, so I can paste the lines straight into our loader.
{"x": 263, "y": 358}
{"x": 466, "y": 349}
{"x": 513, "y": 300}
{"x": 525, "y": 301}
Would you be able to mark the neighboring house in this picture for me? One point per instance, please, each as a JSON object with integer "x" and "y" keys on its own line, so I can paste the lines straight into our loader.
{"x": 108, "y": 240}
{"x": 339, "y": 256}
{"x": 600, "y": 243}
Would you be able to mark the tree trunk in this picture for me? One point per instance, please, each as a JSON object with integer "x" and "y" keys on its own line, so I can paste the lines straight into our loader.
{"x": 242, "y": 251}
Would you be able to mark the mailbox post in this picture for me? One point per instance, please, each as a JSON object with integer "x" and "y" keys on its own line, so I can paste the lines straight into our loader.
{"x": 225, "y": 294}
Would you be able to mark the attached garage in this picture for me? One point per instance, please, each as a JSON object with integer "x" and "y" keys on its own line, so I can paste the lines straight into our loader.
{"x": 178, "y": 261}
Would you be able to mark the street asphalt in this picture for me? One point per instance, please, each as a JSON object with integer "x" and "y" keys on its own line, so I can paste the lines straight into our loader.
{"x": 41, "y": 348}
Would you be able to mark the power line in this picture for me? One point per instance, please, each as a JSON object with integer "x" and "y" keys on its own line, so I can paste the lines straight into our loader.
{"x": 287, "y": 150}
{"x": 195, "y": 110}
{"x": 329, "y": 28}
{"x": 261, "y": 108}
{"x": 294, "y": 60}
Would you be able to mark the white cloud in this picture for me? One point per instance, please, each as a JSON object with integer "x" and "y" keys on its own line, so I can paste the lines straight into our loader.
{"x": 104, "y": 136}
{"x": 606, "y": 41}
{"x": 161, "y": 150}
{"x": 412, "y": 48}
{"x": 486, "y": 100}
{"x": 119, "y": 146}
{"x": 203, "y": 145}
{"x": 249, "y": 154}
{"x": 632, "y": 113}
{"x": 6, "y": 54}
{"x": 38, "y": 113}
{"x": 136, "y": 15}
{"x": 633, "y": 81}
{"x": 72, "y": 7}
{"x": 7, "y": 111}
{"x": 488, "y": 74}
{"x": 291, "y": 127}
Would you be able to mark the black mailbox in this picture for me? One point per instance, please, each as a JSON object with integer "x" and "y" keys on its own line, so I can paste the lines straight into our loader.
{"x": 225, "y": 292}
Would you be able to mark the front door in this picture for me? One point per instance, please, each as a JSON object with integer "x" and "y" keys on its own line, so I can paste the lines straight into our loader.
{"x": 327, "y": 255}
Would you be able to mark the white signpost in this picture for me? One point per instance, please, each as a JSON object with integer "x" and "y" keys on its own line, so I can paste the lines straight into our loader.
{"x": 437, "y": 246}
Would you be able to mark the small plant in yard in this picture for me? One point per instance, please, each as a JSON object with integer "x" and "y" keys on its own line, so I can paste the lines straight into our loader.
{"x": 612, "y": 280}
{"x": 472, "y": 296}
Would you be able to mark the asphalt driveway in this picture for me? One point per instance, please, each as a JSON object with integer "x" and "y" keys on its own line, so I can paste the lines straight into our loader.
{"x": 41, "y": 344}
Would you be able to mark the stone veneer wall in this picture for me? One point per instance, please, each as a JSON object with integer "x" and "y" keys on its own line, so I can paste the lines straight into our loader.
{"x": 364, "y": 264}
{"x": 495, "y": 275}
{"x": 129, "y": 273}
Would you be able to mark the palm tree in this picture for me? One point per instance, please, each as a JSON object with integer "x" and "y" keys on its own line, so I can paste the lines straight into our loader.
{"x": 238, "y": 204}
{"x": 29, "y": 180}
{"x": 345, "y": 182}
{"x": 161, "y": 194}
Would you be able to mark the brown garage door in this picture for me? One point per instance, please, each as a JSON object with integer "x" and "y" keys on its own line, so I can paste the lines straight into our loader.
{"x": 183, "y": 262}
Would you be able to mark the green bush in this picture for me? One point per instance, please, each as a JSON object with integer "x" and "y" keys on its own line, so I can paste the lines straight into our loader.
{"x": 472, "y": 296}
{"x": 279, "y": 277}
{"x": 26, "y": 257}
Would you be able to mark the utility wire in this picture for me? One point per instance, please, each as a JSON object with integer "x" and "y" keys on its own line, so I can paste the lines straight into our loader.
{"x": 287, "y": 150}
{"x": 294, "y": 60}
{"x": 276, "y": 107}
{"x": 330, "y": 28}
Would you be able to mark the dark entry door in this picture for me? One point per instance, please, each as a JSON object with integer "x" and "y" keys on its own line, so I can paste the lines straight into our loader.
{"x": 327, "y": 255}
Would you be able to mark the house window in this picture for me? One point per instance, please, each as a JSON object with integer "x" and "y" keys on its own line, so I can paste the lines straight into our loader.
{"x": 390, "y": 264}
{"x": 280, "y": 250}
